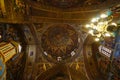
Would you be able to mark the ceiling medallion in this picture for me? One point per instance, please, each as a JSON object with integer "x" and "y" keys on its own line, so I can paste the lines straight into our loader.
{"x": 60, "y": 42}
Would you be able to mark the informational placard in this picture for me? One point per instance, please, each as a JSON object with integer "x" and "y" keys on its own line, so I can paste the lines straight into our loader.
{"x": 105, "y": 51}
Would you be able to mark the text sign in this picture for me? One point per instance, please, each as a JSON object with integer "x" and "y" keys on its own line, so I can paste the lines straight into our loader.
{"x": 104, "y": 50}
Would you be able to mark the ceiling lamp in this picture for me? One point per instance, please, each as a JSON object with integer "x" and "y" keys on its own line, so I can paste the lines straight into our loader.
{"x": 101, "y": 27}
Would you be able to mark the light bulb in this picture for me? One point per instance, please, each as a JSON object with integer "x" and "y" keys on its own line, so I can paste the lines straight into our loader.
{"x": 114, "y": 24}
{"x": 107, "y": 34}
{"x": 91, "y": 32}
{"x": 95, "y": 27}
{"x": 97, "y": 39}
{"x": 87, "y": 26}
{"x": 94, "y": 20}
{"x": 103, "y": 15}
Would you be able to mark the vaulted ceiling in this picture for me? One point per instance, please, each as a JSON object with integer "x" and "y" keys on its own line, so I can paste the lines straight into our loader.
{"x": 64, "y": 4}
{"x": 55, "y": 27}
{"x": 62, "y": 11}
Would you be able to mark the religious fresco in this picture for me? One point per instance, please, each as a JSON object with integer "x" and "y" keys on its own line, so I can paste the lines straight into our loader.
{"x": 59, "y": 41}
{"x": 44, "y": 62}
{"x": 64, "y": 4}
{"x": 56, "y": 44}
{"x": 115, "y": 70}
{"x": 109, "y": 65}
{"x": 16, "y": 64}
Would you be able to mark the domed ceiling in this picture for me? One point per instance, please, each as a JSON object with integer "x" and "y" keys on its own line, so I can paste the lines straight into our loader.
{"x": 59, "y": 41}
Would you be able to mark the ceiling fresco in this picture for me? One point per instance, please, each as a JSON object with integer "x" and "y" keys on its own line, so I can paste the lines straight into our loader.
{"x": 69, "y": 3}
{"x": 56, "y": 45}
{"x": 64, "y": 3}
{"x": 73, "y": 3}
{"x": 59, "y": 41}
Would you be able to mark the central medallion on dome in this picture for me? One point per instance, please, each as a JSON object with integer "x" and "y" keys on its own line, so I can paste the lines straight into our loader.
{"x": 59, "y": 41}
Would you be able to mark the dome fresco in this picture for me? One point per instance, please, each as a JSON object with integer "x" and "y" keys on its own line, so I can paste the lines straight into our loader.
{"x": 59, "y": 41}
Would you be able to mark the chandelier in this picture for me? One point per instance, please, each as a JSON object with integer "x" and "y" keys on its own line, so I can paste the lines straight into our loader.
{"x": 102, "y": 26}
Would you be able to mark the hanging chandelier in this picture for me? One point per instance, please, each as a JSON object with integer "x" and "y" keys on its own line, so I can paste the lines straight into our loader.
{"x": 102, "y": 26}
